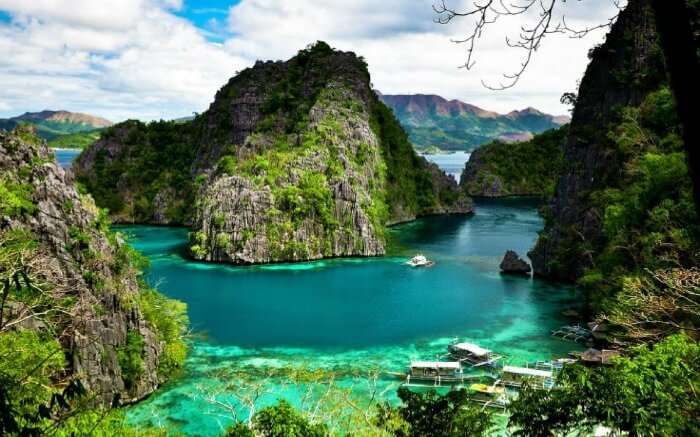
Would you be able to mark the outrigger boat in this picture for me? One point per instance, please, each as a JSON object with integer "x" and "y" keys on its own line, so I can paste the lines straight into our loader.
{"x": 435, "y": 372}
{"x": 473, "y": 354}
{"x": 493, "y": 396}
{"x": 419, "y": 261}
{"x": 518, "y": 376}
{"x": 576, "y": 333}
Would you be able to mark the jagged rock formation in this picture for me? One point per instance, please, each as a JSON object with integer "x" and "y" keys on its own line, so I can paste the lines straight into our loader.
{"x": 528, "y": 168}
{"x": 513, "y": 264}
{"x": 432, "y": 121}
{"x": 292, "y": 161}
{"x": 89, "y": 299}
{"x": 622, "y": 72}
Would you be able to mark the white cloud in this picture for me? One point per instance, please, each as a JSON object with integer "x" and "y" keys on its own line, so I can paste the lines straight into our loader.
{"x": 408, "y": 52}
{"x": 136, "y": 58}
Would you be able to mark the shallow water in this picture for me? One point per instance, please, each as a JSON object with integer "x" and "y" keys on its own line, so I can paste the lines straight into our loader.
{"x": 65, "y": 157}
{"x": 352, "y": 315}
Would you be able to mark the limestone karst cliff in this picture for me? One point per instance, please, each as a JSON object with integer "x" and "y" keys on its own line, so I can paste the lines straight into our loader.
{"x": 293, "y": 161}
{"x": 623, "y": 70}
{"x": 67, "y": 277}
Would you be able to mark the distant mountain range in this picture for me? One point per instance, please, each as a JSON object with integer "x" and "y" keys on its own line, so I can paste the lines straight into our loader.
{"x": 432, "y": 121}
{"x": 53, "y": 124}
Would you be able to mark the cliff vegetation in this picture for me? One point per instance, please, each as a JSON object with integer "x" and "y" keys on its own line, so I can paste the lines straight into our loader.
{"x": 80, "y": 331}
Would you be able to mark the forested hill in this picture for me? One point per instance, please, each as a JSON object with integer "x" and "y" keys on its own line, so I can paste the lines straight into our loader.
{"x": 293, "y": 160}
{"x": 53, "y": 124}
{"x": 432, "y": 121}
{"x": 525, "y": 168}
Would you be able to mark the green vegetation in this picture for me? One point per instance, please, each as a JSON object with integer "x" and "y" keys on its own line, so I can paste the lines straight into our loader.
{"x": 524, "y": 168}
{"x": 649, "y": 220}
{"x": 158, "y": 158}
{"x": 423, "y": 414}
{"x": 131, "y": 358}
{"x": 76, "y": 140}
{"x": 168, "y": 317}
{"x": 36, "y": 399}
{"x": 652, "y": 392}
{"x": 15, "y": 198}
{"x": 278, "y": 421}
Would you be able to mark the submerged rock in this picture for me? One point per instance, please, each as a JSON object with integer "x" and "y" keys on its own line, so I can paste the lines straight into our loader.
{"x": 513, "y": 264}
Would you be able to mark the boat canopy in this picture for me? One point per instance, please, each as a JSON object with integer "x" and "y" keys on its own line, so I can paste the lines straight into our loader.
{"x": 472, "y": 348}
{"x": 527, "y": 371}
{"x": 435, "y": 365}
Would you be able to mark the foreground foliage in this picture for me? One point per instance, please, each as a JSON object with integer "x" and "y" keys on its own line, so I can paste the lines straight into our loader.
{"x": 423, "y": 414}
{"x": 652, "y": 392}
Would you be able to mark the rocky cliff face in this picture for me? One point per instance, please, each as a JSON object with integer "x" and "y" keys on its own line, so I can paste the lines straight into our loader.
{"x": 292, "y": 161}
{"x": 89, "y": 286}
{"x": 622, "y": 71}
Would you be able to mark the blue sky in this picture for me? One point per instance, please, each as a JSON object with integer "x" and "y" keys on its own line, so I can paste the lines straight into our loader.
{"x": 210, "y": 17}
{"x": 153, "y": 59}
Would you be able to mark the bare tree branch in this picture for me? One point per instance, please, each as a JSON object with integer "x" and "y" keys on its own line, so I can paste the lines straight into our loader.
{"x": 530, "y": 38}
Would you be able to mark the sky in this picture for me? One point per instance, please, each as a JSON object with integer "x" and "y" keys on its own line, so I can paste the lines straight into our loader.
{"x": 163, "y": 59}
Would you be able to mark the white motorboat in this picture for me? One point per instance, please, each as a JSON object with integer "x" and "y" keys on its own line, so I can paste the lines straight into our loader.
{"x": 419, "y": 261}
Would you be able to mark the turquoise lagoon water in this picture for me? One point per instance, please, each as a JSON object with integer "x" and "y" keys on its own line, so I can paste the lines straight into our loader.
{"x": 350, "y": 316}
{"x": 65, "y": 157}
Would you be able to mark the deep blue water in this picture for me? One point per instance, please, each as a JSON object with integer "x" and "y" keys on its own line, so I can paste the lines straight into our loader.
{"x": 360, "y": 302}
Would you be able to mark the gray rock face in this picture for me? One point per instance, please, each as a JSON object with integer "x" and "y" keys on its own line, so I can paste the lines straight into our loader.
{"x": 513, "y": 264}
{"x": 244, "y": 221}
{"x": 563, "y": 250}
{"x": 477, "y": 181}
{"x": 97, "y": 324}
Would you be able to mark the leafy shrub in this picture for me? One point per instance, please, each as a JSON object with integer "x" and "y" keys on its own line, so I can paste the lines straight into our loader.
{"x": 281, "y": 420}
{"x": 168, "y": 318}
{"x": 650, "y": 393}
{"x": 424, "y": 414}
{"x": 131, "y": 358}
{"x": 16, "y": 198}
